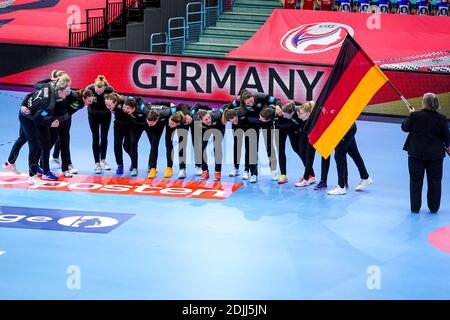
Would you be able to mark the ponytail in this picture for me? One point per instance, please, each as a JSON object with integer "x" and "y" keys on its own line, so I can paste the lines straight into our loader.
{"x": 56, "y": 74}
{"x": 308, "y": 106}
{"x": 101, "y": 81}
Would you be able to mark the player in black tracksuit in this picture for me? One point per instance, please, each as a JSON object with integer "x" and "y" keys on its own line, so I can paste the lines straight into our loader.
{"x": 18, "y": 144}
{"x": 240, "y": 126}
{"x": 305, "y": 150}
{"x": 252, "y": 104}
{"x": 75, "y": 101}
{"x": 183, "y": 133}
{"x": 37, "y": 123}
{"x": 138, "y": 110}
{"x": 164, "y": 115}
{"x": 61, "y": 134}
{"x": 99, "y": 121}
{"x": 212, "y": 126}
{"x": 122, "y": 129}
{"x": 288, "y": 125}
{"x": 347, "y": 145}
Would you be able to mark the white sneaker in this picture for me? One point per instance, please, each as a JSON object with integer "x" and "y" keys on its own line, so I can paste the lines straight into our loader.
{"x": 234, "y": 173}
{"x": 198, "y": 171}
{"x": 337, "y": 191}
{"x": 302, "y": 183}
{"x": 312, "y": 179}
{"x": 98, "y": 168}
{"x": 55, "y": 160}
{"x": 253, "y": 179}
{"x": 182, "y": 174}
{"x": 67, "y": 174}
{"x": 245, "y": 175}
{"x": 105, "y": 165}
{"x": 133, "y": 172}
{"x": 10, "y": 167}
{"x": 36, "y": 181}
{"x": 363, "y": 184}
{"x": 274, "y": 175}
{"x": 72, "y": 169}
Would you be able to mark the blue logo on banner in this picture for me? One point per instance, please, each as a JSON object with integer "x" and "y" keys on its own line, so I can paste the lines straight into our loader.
{"x": 61, "y": 220}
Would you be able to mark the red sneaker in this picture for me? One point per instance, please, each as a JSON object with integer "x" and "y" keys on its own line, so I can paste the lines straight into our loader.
{"x": 217, "y": 176}
{"x": 205, "y": 175}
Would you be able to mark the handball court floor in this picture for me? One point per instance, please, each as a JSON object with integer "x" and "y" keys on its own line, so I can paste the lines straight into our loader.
{"x": 264, "y": 241}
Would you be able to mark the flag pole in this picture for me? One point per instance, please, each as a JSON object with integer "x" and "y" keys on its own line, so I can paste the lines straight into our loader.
{"x": 407, "y": 104}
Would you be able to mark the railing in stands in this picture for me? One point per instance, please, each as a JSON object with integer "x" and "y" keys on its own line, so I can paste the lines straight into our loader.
{"x": 176, "y": 35}
{"x": 194, "y": 21}
{"x": 116, "y": 15}
{"x": 213, "y": 8}
{"x": 158, "y": 42}
{"x": 115, "y": 19}
{"x": 78, "y": 35}
{"x": 199, "y": 15}
{"x": 96, "y": 27}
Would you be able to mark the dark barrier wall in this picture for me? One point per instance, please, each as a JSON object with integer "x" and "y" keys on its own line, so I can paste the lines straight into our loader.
{"x": 218, "y": 79}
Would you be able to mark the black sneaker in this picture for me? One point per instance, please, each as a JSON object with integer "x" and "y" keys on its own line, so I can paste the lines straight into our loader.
{"x": 321, "y": 186}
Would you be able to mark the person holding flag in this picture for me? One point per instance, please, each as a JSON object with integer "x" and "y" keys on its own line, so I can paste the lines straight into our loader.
{"x": 428, "y": 138}
{"x": 351, "y": 85}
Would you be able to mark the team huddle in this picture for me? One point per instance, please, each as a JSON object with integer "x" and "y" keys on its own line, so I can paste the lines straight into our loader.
{"x": 45, "y": 118}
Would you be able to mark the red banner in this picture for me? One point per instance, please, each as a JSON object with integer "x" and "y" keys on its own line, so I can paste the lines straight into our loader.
{"x": 43, "y": 21}
{"x": 126, "y": 186}
{"x": 193, "y": 78}
{"x": 165, "y": 76}
{"x": 316, "y": 36}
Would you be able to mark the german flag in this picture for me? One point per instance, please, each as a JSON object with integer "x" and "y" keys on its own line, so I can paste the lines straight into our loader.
{"x": 353, "y": 82}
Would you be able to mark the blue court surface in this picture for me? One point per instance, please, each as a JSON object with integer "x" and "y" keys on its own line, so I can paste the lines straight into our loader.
{"x": 263, "y": 241}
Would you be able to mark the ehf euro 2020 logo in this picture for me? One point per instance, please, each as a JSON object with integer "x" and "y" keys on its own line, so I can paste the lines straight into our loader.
{"x": 315, "y": 37}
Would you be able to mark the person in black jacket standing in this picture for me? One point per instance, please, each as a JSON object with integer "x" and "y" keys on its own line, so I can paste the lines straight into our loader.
{"x": 122, "y": 128}
{"x": 427, "y": 141}
{"x": 99, "y": 121}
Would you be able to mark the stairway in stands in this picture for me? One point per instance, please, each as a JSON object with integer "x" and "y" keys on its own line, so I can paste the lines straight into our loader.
{"x": 233, "y": 28}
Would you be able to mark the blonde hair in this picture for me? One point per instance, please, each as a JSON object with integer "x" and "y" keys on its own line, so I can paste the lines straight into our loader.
{"x": 308, "y": 106}
{"x": 63, "y": 82}
{"x": 178, "y": 117}
{"x": 101, "y": 81}
{"x": 57, "y": 73}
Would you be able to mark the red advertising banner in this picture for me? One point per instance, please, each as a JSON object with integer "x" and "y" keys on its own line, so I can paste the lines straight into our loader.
{"x": 126, "y": 186}
{"x": 165, "y": 76}
{"x": 42, "y": 21}
{"x": 407, "y": 42}
{"x": 202, "y": 79}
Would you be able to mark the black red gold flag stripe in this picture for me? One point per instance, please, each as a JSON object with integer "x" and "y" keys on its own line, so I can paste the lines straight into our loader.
{"x": 354, "y": 80}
